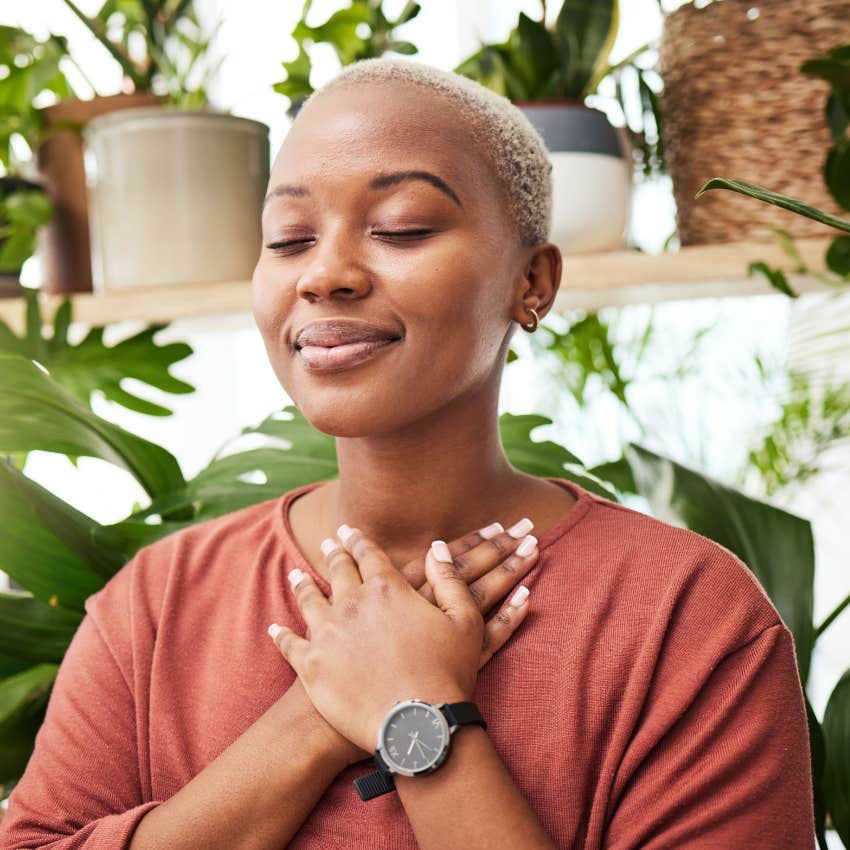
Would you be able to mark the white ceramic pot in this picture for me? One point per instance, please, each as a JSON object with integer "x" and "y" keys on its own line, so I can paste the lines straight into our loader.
{"x": 592, "y": 175}
{"x": 174, "y": 196}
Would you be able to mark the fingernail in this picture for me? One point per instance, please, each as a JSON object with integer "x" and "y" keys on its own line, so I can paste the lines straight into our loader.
{"x": 521, "y": 528}
{"x": 295, "y": 576}
{"x": 274, "y": 630}
{"x": 441, "y": 551}
{"x": 526, "y": 547}
{"x": 491, "y": 530}
{"x": 328, "y": 545}
{"x": 519, "y": 598}
{"x": 344, "y": 532}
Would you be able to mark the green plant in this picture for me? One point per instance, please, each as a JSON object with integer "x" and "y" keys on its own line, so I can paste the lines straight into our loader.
{"x": 361, "y": 30}
{"x": 834, "y": 67}
{"x": 569, "y": 61}
{"x": 174, "y": 59}
{"x": 24, "y": 208}
{"x": 29, "y": 71}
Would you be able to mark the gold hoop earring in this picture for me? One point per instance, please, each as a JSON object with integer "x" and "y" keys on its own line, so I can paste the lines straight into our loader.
{"x": 533, "y": 327}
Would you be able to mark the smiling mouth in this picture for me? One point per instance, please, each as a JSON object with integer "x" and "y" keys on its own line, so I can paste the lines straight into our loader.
{"x": 335, "y": 358}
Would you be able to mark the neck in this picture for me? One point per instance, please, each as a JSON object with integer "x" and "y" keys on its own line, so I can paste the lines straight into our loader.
{"x": 442, "y": 477}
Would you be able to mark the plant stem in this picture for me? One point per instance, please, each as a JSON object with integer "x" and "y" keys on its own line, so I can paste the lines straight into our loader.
{"x": 124, "y": 61}
{"x": 822, "y": 627}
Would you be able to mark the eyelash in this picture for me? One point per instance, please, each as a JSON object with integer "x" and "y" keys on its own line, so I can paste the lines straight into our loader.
{"x": 279, "y": 246}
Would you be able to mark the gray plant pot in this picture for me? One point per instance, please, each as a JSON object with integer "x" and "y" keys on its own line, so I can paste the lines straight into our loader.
{"x": 175, "y": 196}
{"x": 592, "y": 175}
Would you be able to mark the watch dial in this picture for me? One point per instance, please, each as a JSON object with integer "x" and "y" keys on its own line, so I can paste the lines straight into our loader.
{"x": 415, "y": 736}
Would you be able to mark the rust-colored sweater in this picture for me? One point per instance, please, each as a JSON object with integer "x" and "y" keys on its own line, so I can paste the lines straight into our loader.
{"x": 650, "y": 699}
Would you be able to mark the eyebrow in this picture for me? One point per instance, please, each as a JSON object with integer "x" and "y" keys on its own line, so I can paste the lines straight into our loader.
{"x": 382, "y": 181}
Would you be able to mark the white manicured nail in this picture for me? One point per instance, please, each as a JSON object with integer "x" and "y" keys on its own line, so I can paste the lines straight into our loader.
{"x": 518, "y": 599}
{"x": 328, "y": 545}
{"x": 295, "y": 576}
{"x": 526, "y": 546}
{"x": 274, "y": 630}
{"x": 344, "y": 532}
{"x": 441, "y": 551}
{"x": 491, "y": 530}
{"x": 521, "y": 528}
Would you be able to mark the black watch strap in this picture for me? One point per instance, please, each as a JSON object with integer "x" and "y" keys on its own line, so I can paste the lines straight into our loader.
{"x": 381, "y": 781}
{"x": 463, "y": 714}
{"x": 374, "y": 785}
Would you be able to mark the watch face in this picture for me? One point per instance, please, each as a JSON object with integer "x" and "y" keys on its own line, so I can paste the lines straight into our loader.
{"x": 414, "y": 737}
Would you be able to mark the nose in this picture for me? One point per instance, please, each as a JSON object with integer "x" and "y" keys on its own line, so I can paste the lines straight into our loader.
{"x": 333, "y": 272}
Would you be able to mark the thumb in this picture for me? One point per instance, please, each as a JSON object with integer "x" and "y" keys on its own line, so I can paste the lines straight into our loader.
{"x": 450, "y": 590}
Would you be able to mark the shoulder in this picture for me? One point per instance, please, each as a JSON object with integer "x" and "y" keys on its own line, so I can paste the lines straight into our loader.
{"x": 186, "y": 558}
{"x": 679, "y": 582}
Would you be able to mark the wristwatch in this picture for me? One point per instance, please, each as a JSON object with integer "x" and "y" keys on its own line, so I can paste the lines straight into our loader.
{"x": 414, "y": 740}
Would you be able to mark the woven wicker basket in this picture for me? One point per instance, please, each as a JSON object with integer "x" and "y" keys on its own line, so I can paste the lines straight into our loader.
{"x": 736, "y": 105}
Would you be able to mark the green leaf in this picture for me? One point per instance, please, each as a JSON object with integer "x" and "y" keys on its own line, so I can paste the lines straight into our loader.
{"x": 544, "y": 457}
{"x": 777, "y": 546}
{"x": 35, "y": 631}
{"x": 834, "y": 67}
{"x": 533, "y": 54}
{"x": 616, "y": 472}
{"x": 588, "y": 29}
{"x": 46, "y": 545}
{"x": 836, "y": 172}
{"x": 775, "y": 277}
{"x": 836, "y": 732}
{"x": 817, "y": 748}
{"x": 837, "y": 113}
{"x": 37, "y": 413}
{"x": 23, "y": 702}
{"x": 777, "y": 200}
{"x": 838, "y": 256}
{"x": 93, "y": 366}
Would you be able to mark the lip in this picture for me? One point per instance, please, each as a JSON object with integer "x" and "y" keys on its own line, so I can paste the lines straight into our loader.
{"x": 318, "y": 358}
{"x": 340, "y": 331}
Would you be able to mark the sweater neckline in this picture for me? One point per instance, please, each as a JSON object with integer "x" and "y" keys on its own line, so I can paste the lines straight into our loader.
{"x": 584, "y": 501}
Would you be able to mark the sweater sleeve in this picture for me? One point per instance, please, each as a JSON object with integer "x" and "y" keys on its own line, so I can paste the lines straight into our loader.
{"x": 81, "y": 787}
{"x": 734, "y": 769}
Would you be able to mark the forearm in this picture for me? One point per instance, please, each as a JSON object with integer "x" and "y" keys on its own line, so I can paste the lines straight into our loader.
{"x": 255, "y": 795}
{"x": 471, "y": 802}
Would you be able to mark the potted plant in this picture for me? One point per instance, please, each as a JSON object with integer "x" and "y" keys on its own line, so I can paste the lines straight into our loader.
{"x": 548, "y": 73}
{"x": 735, "y": 103}
{"x": 175, "y": 175}
{"x": 360, "y": 30}
{"x": 29, "y": 70}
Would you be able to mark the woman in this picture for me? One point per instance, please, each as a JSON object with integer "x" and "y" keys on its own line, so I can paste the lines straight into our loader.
{"x": 651, "y": 698}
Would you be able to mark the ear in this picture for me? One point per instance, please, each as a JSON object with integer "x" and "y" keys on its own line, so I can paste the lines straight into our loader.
{"x": 538, "y": 284}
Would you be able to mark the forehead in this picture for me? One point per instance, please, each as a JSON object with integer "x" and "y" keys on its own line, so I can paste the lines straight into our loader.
{"x": 377, "y": 127}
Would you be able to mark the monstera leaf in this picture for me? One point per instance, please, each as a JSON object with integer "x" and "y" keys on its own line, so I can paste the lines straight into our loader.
{"x": 38, "y": 413}
{"x": 91, "y": 365}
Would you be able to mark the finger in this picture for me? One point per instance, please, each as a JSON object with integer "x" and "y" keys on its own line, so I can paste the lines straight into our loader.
{"x": 450, "y": 590}
{"x": 499, "y": 628}
{"x": 414, "y": 571}
{"x": 502, "y": 578}
{"x": 342, "y": 571}
{"x": 312, "y": 603}
{"x": 495, "y": 560}
{"x": 371, "y": 560}
{"x": 291, "y": 647}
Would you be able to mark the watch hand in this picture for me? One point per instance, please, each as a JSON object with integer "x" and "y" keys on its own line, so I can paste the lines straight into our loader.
{"x": 424, "y": 745}
{"x": 412, "y": 742}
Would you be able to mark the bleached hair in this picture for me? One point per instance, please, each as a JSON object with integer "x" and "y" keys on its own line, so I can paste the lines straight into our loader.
{"x": 506, "y": 138}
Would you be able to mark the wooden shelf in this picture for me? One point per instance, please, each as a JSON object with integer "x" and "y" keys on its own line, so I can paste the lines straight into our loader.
{"x": 589, "y": 281}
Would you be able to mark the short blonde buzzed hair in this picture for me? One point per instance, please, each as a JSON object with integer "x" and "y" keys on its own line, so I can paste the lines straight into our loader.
{"x": 507, "y": 139}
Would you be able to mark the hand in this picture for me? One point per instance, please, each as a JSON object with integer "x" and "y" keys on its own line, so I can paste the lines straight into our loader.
{"x": 381, "y": 631}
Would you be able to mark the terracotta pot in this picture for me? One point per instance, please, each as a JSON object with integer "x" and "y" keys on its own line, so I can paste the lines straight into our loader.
{"x": 64, "y": 247}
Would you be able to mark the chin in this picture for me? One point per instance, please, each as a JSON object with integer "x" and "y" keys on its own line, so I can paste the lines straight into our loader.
{"x": 344, "y": 419}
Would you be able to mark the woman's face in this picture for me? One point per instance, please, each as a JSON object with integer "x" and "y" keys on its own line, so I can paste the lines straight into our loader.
{"x": 441, "y": 267}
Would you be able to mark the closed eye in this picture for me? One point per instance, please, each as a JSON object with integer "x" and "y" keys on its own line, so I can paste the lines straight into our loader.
{"x": 391, "y": 234}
